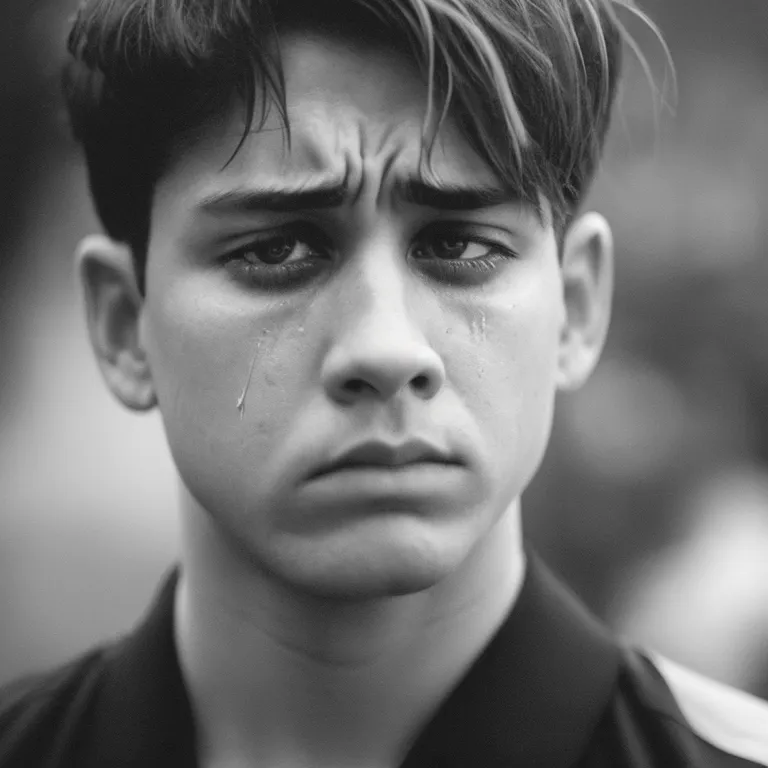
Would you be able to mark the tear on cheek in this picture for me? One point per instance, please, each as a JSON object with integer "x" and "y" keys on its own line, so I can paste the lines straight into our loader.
{"x": 472, "y": 318}
{"x": 280, "y": 341}
{"x": 257, "y": 351}
{"x": 244, "y": 393}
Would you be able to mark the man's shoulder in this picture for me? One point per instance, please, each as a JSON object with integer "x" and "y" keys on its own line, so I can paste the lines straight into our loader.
{"x": 121, "y": 703}
{"x": 35, "y": 710}
{"x": 729, "y": 719}
{"x": 669, "y": 708}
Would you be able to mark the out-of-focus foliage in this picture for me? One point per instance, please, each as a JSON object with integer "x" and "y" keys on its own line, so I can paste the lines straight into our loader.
{"x": 653, "y": 499}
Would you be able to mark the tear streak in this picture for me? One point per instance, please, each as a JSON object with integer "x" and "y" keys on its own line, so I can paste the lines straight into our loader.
{"x": 241, "y": 399}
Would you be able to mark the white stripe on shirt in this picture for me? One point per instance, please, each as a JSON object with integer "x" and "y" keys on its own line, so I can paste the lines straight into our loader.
{"x": 729, "y": 719}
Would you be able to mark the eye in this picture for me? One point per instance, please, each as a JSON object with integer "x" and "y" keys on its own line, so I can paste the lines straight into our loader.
{"x": 462, "y": 254}
{"x": 452, "y": 247}
{"x": 280, "y": 259}
{"x": 284, "y": 248}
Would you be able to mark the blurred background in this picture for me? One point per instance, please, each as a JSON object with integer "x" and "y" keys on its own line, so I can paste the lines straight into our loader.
{"x": 653, "y": 500}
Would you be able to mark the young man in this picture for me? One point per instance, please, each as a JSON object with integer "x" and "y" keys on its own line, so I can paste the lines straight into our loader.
{"x": 347, "y": 262}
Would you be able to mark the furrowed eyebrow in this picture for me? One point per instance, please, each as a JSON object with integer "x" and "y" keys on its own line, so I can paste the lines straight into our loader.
{"x": 456, "y": 197}
{"x": 277, "y": 199}
{"x": 452, "y": 197}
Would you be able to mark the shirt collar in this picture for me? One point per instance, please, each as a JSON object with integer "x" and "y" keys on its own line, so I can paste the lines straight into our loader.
{"x": 533, "y": 697}
{"x": 537, "y": 692}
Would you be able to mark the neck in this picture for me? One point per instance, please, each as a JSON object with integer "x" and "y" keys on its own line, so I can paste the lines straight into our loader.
{"x": 285, "y": 678}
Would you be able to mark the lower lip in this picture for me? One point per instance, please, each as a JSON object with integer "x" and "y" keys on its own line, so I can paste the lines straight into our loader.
{"x": 426, "y": 478}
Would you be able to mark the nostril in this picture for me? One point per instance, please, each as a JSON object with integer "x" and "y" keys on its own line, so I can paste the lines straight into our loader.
{"x": 421, "y": 383}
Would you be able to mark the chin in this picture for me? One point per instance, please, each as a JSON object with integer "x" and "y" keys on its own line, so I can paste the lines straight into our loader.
{"x": 354, "y": 585}
{"x": 383, "y": 560}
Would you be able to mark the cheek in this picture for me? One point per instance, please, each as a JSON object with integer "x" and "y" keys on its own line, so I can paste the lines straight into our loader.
{"x": 507, "y": 367}
{"x": 224, "y": 372}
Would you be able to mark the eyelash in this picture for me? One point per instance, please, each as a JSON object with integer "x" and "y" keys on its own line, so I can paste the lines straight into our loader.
{"x": 283, "y": 276}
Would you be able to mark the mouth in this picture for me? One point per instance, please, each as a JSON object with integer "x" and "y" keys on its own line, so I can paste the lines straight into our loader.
{"x": 388, "y": 458}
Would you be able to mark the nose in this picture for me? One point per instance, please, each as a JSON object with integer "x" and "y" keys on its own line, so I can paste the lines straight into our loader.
{"x": 379, "y": 350}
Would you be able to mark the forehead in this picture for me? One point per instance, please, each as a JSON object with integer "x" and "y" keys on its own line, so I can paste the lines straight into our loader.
{"x": 352, "y": 111}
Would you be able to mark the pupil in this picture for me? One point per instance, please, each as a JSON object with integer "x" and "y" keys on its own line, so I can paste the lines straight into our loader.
{"x": 278, "y": 250}
{"x": 453, "y": 247}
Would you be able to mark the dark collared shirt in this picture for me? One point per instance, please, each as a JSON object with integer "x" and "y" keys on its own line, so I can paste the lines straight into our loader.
{"x": 553, "y": 689}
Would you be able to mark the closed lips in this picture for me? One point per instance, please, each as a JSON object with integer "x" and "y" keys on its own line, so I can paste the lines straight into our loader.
{"x": 386, "y": 456}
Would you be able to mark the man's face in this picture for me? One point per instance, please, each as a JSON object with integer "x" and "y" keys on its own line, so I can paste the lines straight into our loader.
{"x": 282, "y": 335}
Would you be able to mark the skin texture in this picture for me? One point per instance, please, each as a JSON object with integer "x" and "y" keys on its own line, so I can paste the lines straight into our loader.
{"x": 258, "y": 386}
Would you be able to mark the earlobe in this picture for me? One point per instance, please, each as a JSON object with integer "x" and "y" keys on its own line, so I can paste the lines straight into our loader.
{"x": 113, "y": 310}
{"x": 587, "y": 273}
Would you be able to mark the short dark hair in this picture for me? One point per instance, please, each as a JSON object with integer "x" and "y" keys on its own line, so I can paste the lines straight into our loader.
{"x": 531, "y": 84}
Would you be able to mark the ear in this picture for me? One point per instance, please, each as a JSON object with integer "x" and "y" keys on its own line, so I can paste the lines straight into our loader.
{"x": 587, "y": 274}
{"x": 113, "y": 307}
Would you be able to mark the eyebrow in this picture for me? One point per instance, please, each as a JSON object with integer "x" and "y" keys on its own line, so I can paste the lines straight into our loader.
{"x": 286, "y": 199}
{"x": 456, "y": 197}
{"x": 276, "y": 198}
